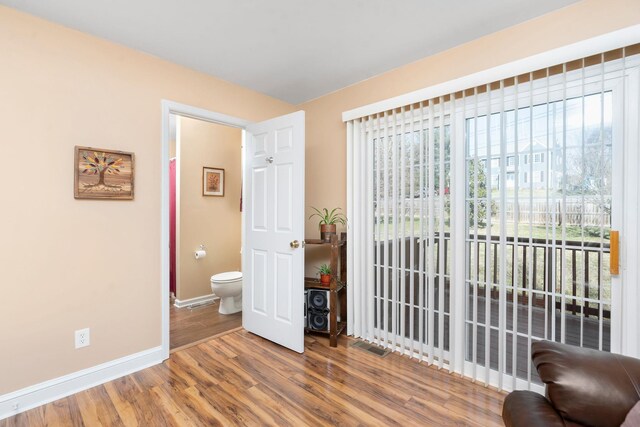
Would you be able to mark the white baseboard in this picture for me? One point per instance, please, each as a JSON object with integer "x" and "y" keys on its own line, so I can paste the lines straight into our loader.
{"x": 39, "y": 394}
{"x": 192, "y": 301}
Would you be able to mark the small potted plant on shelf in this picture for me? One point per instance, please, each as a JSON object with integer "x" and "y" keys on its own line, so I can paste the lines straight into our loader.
{"x": 325, "y": 274}
{"x": 328, "y": 221}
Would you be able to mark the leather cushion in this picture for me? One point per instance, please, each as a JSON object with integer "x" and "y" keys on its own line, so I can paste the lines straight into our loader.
{"x": 526, "y": 408}
{"x": 587, "y": 386}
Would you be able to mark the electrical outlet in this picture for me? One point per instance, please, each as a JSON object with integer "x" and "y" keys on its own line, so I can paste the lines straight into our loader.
{"x": 83, "y": 338}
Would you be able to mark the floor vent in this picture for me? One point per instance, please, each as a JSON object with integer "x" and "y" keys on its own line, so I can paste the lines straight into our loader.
{"x": 200, "y": 305}
{"x": 371, "y": 348}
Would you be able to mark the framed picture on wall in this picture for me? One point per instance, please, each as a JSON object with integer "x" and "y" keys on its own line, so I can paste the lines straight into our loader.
{"x": 103, "y": 174}
{"x": 212, "y": 182}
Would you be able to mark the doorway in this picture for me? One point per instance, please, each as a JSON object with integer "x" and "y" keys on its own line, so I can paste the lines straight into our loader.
{"x": 205, "y": 188}
{"x": 272, "y": 286}
{"x": 193, "y": 305}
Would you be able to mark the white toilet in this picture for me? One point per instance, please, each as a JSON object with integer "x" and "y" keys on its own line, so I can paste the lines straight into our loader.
{"x": 228, "y": 286}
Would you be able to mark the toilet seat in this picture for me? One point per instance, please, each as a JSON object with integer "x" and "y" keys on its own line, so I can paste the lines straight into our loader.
{"x": 227, "y": 277}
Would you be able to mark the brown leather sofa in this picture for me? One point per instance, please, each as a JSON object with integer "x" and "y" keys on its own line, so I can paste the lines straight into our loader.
{"x": 583, "y": 388}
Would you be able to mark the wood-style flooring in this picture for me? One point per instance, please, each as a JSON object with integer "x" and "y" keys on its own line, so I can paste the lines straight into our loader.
{"x": 191, "y": 325}
{"x": 241, "y": 379}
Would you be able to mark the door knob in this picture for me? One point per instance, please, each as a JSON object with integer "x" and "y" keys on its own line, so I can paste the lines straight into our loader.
{"x": 295, "y": 244}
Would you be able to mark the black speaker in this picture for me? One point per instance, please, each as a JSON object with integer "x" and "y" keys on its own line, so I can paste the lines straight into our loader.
{"x": 318, "y": 299}
{"x": 306, "y": 321}
{"x": 318, "y": 320}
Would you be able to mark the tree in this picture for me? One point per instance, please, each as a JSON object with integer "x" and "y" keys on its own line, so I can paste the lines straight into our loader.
{"x": 588, "y": 179}
{"x": 101, "y": 164}
{"x": 589, "y": 168}
{"x": 477, "y": 206}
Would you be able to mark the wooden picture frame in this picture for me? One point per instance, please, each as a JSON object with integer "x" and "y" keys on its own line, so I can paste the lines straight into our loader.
{"x": 103, "y": 174}
{"x": 212, "y": 182}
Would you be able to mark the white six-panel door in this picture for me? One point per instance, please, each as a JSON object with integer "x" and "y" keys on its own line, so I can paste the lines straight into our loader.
{"x": 273, "y": 285}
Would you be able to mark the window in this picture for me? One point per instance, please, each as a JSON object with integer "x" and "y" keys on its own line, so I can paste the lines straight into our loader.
{"x": 562, "y": 124}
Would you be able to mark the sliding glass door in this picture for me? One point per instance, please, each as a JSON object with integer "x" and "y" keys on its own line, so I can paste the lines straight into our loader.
{"x": 486, "y": 219}
{"x": 412, "y": 212}
{"x": 539, "y": 203}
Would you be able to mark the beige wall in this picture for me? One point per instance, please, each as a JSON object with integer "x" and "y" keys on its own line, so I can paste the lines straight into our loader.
{"x": 96, "y": 263}
{"x": 214, "y": 222}
{"x": 326, "y": 134}
{"x": 67, "y": 264}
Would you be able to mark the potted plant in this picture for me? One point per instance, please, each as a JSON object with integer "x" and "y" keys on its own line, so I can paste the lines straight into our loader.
{"x": 325, "y": 274}
{"x": 328, "y": 221}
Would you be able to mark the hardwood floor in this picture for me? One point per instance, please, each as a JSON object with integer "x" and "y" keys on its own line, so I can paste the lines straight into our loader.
{"x": 241, "y": 379}
{"x": 191, "y": 325}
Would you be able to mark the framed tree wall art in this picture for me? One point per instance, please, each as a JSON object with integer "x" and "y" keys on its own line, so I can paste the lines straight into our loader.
{"x": 103, "y": 174}
{"x": 212, "y": 182}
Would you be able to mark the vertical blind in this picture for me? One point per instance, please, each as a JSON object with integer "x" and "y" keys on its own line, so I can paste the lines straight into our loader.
{"x": 480, "y": 219}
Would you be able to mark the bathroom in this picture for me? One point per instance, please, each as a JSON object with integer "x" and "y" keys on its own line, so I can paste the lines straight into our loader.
{"x": 205, "y": 230}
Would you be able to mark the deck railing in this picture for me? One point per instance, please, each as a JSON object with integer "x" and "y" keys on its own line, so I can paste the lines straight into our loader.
{"x": 586, "y": 278}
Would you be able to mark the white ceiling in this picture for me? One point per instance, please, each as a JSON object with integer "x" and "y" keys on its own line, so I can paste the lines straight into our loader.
{"x": 294, "y": 50}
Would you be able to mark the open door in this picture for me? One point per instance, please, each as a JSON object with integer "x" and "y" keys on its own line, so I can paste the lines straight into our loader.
{"x": 273, "y": 257}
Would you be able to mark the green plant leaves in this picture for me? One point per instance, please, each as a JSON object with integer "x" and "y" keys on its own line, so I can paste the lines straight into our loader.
{"x": 329, "y": 218}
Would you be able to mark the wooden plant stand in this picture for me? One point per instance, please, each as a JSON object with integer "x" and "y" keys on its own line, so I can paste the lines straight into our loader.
{"x": 337, "y": 287}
